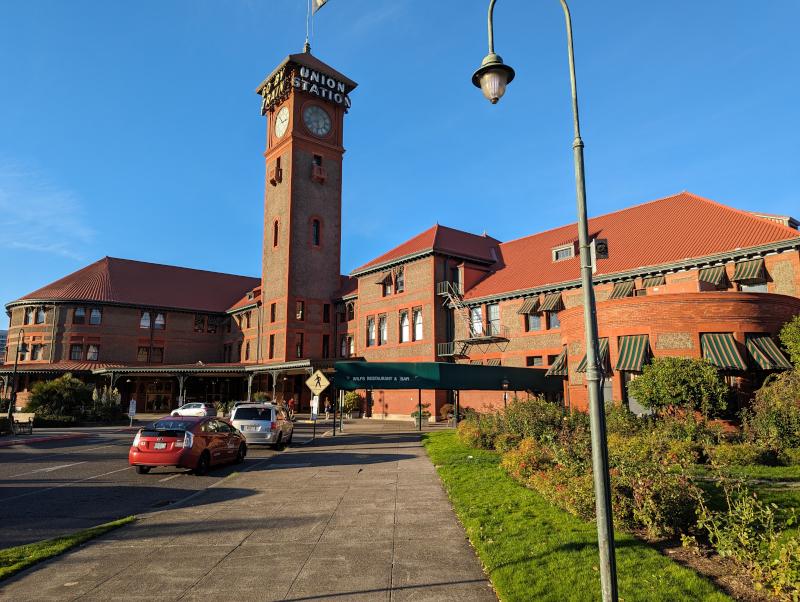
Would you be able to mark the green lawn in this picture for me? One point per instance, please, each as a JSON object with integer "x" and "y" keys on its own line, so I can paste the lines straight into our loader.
{"x": 13, "y": 560}
{"x": 532, "y": 550}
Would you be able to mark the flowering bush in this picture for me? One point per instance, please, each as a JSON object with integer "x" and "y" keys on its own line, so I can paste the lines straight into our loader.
{"x": 505, "y": 442}
{"x": 740, "y": 454}
{"x": 534, "y": 417}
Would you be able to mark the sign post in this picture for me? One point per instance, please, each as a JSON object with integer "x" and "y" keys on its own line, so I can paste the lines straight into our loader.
{"x": 132, "y": 410}
{"x": 316, "y": 383}
{"x": 314, "y": 415}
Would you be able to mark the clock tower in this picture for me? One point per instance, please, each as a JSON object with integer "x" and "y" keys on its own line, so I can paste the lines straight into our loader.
{"x": 304, "y": 101}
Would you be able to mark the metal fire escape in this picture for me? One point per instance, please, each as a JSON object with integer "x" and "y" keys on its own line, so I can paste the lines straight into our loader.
{"x": 480, "y": 335}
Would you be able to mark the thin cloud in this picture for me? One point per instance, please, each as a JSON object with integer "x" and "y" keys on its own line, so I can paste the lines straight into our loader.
{"x": 39, "y": 216}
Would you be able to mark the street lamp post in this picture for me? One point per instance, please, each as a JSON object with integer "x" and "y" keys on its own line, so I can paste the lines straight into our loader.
{"x": 492, "y": 77}
{"x": 505, "y": 393}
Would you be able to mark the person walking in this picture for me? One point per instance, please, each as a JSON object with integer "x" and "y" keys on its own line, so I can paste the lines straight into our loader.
{"x": 291, "y": 408}
{"x": 327, "y": 409}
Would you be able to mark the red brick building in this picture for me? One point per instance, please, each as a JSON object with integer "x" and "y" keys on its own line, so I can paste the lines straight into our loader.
{"x": 681, "y": 275}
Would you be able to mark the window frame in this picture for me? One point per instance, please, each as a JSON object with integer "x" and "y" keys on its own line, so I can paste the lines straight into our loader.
{"x": 404, "y": 330}
{"x": 72, "y": 348}
{"x": 96, "y": 348}
{"x": 79, "y": 319}
{"x": 300, "y": 310}
{"x": 95, "y": 311}
{"x": 40, "y": 317}
{"x": 163, "y": 317}
{"x": 371, "y": 331}
{"x": 145, "y": 320}
{"x": 557, "y": 250}
{"x": 529, "y": 327}
{"x": 139, "y": 354}
{"x": 417, "y": 311}
{"x": 383, "y": 329}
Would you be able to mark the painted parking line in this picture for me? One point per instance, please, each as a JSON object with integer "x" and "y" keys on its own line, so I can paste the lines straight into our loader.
{"x": 49, "y": 469}
{"x": 46, "y": 489}
{"x": 169, "y": 478}
{"x": 43, "y": 439}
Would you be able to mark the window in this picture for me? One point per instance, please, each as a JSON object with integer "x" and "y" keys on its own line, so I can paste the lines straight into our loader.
{"x": 79, "y": 315}
{"x": 76, "y": 352}
{"x": 144, "y": 321}
{"x": 95, "y": 316}
{"x": 36, "y": 352}
{"x": 382, "y": 330}
{"x": 271, "y": 346}
{"x": 344, "y": 346}
{"x": 40, "y": 315}
{"x": 213, "y": 324}
{"x": 199, "y": 323}
{"x": 565, "y": 252}
{"x": 326, "y": 313}
{"x": 326, "y": 345}
{"x": 351, "y": 311}
{"x": 92, "y": 353}
{"x": 23, "y": 352}
{"x": 758, "y": 287}
{"x": 275, "y": 233}
{"x": 298, "y": 344}
{"x": 239, "y": 352}
{"x": 273, "y": 307}
{"x": 28, "y": 316}
{"x": 533, "y": 322}
{"x": 386, "y": 286}
{"x": 493, "y": 318}
{"x": 416, "y": 315}
{"x": 318, "y": 160}
{"x": 400, "y": 281}
{"x": 552, "y": 320}
{"x": 551, "y": 359}
{"x": 143, "y": 354}
{"x": 247, "y": 320}
{"x": 299, "y": 310}
{"x": 475, "y": 321}
{"x": 404, "y": 327}
{"x": 160, "y": 323}
{"x": 226, "y": 353}
{"x": 247, "y": 350}
{"x": 370, "y": 332}
{"x": 533, "y": 360}
{"x": 315, "y": 232}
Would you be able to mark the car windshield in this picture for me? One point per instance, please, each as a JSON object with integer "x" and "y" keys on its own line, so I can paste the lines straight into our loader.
{"x": 253, "y": 414}
{"x": 171, "y": 425}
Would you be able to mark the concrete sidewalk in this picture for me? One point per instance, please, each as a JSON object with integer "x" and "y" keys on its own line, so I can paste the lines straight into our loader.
{"x": 359, "y": 517}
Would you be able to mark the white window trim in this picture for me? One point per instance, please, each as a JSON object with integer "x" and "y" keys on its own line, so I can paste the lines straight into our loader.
{"x": 569, "y": 247}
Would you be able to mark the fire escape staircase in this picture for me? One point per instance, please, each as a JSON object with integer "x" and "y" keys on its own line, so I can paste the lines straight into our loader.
{"x": 488, "y": 335}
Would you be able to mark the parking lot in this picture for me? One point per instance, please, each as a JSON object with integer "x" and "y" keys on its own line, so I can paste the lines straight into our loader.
{"x": 57, "y": 487}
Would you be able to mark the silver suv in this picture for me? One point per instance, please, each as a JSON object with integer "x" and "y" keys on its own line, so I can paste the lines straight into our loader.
{"x": 263, "y": 423}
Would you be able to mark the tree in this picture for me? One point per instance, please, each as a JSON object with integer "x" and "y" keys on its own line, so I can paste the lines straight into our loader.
{"x": 790, "y": 337}
{"x": 62, "y": 396}
{"x": 680, "y": 382}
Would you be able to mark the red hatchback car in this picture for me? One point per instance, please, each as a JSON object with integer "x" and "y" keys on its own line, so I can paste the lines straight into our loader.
{"x": 194, "y": 442}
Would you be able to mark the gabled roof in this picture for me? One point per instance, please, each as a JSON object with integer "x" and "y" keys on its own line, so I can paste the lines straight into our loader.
{"x": 124, "y": 281}
{"x": 440, "y": 239}
{"x": 250, "y": 299}
{"x": 676, "y": 228}
{"x": 306, "y": 59}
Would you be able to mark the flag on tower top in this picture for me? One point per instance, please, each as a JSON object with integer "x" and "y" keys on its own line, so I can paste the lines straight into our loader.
{"x": 318, "y": 4}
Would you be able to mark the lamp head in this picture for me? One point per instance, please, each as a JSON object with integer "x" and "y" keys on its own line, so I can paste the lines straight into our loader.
{"x": 492, "y": 77}
{"x": 505, "y": 384}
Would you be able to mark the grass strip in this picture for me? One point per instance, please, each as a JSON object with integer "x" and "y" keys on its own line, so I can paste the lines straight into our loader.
{"x": 13, "y": 560}
{"x": 532, "y": 550}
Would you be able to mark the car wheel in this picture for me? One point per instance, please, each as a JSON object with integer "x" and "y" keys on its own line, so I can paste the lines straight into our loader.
{"x": 143, "y": 469}
{"x": 279, "y": 442}
{"x": 241, "y": 453}
{"x": 203, "y": 463}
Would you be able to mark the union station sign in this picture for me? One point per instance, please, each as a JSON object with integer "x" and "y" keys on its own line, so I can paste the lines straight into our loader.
{"x": 276, "y": 89}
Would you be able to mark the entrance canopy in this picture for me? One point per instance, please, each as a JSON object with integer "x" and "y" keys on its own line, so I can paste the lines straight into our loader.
{"x": 440, "y": 375}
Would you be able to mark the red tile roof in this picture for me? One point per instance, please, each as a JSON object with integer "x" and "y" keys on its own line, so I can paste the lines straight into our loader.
{"x": 125, "y": 281}
{"x": 664, "y": 231}
{"x": 251, "y": 298}
{"x": 442, "y": 240}
{"x": 65, "y": 366}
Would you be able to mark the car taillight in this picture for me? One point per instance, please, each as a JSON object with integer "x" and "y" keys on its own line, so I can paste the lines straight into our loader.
{"x": 188, "y": 441}
{"x": 273, "y": 426}
{"x": 136, "y": 439}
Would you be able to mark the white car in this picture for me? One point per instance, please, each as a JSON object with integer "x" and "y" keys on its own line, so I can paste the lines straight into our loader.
{"x": 195, "y": 409}
{"x": 263, "y": 423}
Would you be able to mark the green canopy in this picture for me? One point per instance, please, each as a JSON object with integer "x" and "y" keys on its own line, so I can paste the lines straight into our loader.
{"x": 653, "y": 281}
{"x": 749, "y": 270}
{"x": 714, "y": 275}
{"x": 559, "y": 366}
{"x": 440, "y": 375}
{"x": 721, "y": 350}
{"x": 622, "y": 290}
{"x": 602, "y": 359}
{"x": 633, "y": 352}
{"x": 766, "y": 353}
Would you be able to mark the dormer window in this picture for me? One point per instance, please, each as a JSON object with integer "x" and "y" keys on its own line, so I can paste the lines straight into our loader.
{"x": 563, "y": 252}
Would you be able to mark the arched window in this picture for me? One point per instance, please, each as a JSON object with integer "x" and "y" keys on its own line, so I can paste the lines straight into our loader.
{"x": 315, "y": 232}
{"x": 275, "y": 233}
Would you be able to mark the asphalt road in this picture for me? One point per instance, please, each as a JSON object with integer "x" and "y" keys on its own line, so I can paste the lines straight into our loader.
{"x": 58, "y": 487}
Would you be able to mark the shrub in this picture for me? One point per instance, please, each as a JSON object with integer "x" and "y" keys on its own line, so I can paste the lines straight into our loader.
{"x": 479, "y": 430}
{"x": 469, "y": 434}
{"x": 528, "y": 457}
{"x": 54, "y": 421}
{"x": 740, "y": 454}
{"x": 352, "y": 402}
{"x": 669, "y": 383}
{"x": 260, "y": 397}
{"x": 572, "y": 492}
{"x": 105, "y": 405}
{"x": 534, "y": 417}
{"x": 620, "y": 420}
{"x": 789, "y": 456}
{"x": 505, "y": 442}
{"x": 424, "y": 412}
{"x": 774, "y": 419}
{"x": 790, "y": 337}
{"x": 63, "y": 396}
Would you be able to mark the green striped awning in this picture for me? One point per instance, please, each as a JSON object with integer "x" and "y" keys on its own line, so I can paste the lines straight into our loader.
{"x": 559, "y": 367}
{"x": 633, "y": 352}
{"x": 749, "y": 270}
{"x": 766, "y": 353}
{"x": 715, "y": 275}
{"x": 653, "y": 281}
{"x": 622, "y": 289}
{"x": 529, "y": 306}
{"x": 493, "y": 362}
{"x": 720, "y": 349}
{"x": 603, "y": 358}
{"x": 552, "y": 302}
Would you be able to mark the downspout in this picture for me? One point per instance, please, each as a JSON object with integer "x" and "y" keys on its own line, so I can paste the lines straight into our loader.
{"x": 53, "y": 334}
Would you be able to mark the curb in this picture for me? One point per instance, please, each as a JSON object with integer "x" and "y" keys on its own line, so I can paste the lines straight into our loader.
{"x": 43, "y": 439}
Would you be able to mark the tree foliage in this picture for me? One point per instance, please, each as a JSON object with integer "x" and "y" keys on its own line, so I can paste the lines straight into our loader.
{"x": 790, "y": 337}
{"x": 678, "y": 382}
{"x": 62, "y": 396}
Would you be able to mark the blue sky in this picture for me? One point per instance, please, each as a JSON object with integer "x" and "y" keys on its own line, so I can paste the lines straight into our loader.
{"x": 131, "y": 129}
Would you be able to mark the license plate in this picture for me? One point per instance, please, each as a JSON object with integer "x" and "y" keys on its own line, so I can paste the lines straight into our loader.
{"x": 160, "y": 446}
{"x": 249, "y": 427}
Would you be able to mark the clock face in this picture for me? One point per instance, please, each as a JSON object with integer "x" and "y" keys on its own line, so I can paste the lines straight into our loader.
{"x": 317, "y": 120}
{"x": 282, "y": 122}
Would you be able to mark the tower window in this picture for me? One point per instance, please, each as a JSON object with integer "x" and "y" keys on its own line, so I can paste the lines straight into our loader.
{"x": 299, "y": 344}
{"x": 272, "y": 310}
{"x": 318, "y": 160}
{"x": 271, "y": 346}
{"x": 326, "y": 345}
{"x": 315, "y": 232}
{"x": 275, "y": 233}
{"x": 326, "y": 313}
{"x": 300, "y": 310}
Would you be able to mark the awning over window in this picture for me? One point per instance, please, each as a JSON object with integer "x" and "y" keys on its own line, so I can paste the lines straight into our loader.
{"x": 383, "y": 278}
{"x": 749, "y": 270}
{"x": 715, "y": 275}
{"x": 633, "y": 352}
{"x": 766, "y": 353}
{"x": 493, "y": 362}
{"x": 476, "y": 362}
{"x": 559, "y": 367}
{"x": 720, "y": 349}
{"x": 529, "y": 306}
{"x": 622, "y": 289}
{"x": 653, "y": 281}
{"x": 603, "y": 358}
{"x": 552, "y": 302}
